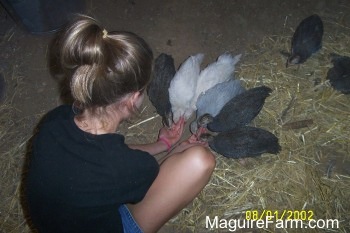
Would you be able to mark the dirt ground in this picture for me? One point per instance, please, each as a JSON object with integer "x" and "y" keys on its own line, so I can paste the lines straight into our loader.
{"x": 180, "y": 28}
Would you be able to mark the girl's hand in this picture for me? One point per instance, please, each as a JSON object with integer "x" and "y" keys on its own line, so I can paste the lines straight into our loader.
{"x": 166, "y": 139}
{"x": 172, "y": 135}
{"x": 191, "y": 141}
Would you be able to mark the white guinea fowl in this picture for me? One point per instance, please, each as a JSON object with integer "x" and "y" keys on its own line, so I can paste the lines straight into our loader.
{"x": 214, "y": 99}
{"x": 182, "y": 87}
{"x": 217, "y": 72}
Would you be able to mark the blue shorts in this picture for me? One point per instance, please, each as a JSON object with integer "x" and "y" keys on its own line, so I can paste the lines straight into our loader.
{"x": 129, "y": 223}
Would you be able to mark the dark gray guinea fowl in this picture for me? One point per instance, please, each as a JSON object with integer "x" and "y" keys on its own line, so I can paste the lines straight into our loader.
{"x": 244, "y": 142}
{"x": 240, "y": 110}
{"x": 158, "y": 93}
{"x": 339, "y": 74}
{"x": 307, "y": 39}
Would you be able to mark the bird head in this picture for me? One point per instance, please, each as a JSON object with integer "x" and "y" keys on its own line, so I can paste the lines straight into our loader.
{"x": 204, "y": 120}
{"x": 207, "y": 137}
{"x": 293, "y": 60}
{"x": 167, "y": 120}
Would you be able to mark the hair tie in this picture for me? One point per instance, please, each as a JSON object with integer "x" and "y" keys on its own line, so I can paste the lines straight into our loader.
{"x": 104, "y": 33}
{"x": 77, "y": 108}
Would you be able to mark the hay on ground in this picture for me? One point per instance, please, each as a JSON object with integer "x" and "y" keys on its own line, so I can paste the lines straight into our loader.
{"x": 312, "y": 122}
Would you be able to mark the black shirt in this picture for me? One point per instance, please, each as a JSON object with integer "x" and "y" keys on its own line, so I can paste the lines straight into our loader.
{"x": 76, "y": 181}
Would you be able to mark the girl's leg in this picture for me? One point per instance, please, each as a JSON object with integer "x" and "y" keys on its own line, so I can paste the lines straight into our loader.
{"x": 181, "y": 177}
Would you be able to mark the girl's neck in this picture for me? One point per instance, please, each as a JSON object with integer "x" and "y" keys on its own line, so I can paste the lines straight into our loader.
{"x": 105, "y": 123}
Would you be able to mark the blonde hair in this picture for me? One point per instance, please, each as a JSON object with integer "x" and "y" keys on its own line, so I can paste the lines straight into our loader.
{"x": 104, "y": 66}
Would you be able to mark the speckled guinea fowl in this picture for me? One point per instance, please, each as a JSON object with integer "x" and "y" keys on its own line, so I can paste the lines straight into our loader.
{"x": 239, "y": 111}
{"x": 307, "y": 39}
{"x": 244, "y": 142}
{"x": 163, "y": 73}
{"x": 339, "y": 74}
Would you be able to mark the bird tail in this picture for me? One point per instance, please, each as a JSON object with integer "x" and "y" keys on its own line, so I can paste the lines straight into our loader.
{"x": 227, "y": 58}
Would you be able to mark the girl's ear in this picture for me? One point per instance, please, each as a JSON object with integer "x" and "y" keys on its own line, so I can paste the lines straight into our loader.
{"x": 134, "y": 101}
{"x": 135, "y": 96}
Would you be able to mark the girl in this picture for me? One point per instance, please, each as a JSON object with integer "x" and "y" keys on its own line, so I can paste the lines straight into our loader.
{"x": 82, "y": 177}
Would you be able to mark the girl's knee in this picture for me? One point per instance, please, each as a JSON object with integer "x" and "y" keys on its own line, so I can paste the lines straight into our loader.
{"x": 201, "y": 158}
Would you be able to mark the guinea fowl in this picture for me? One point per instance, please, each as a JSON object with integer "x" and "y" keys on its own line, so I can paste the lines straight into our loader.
{"x": 244, "y": 141}
{"x": 182, "y": 87}
{"x": 216, "y": 72}
{"x": 212, "y": 101}
{"x": 239, "y": 111}
{"x": 307, "y": 39}
{"x": 339, "y": 74}
{"x": 163, "y": 73}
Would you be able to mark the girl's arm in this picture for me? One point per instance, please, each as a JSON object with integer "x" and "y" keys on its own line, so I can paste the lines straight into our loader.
{"x": 191, "y": 141}
{"x": 152, "y": 148}
{"x": 166, "y": 139}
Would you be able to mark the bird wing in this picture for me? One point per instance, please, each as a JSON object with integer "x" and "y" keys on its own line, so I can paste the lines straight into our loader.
{"x": 215, "y": 98}
{"x": 182, "y": 87}
{"x": 217, "y": 72}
